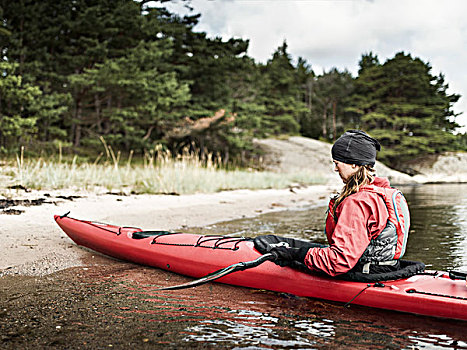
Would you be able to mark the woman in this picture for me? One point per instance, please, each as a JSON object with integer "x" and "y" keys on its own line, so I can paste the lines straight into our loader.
{"x": 367, "y": 223}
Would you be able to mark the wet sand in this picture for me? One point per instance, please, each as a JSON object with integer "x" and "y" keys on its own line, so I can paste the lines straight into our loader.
{"x": 112, "y": 304}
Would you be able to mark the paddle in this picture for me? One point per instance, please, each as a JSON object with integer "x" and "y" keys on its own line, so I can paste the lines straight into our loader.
{"x": 457, "y": 275}
{"x": 224, "y": 271}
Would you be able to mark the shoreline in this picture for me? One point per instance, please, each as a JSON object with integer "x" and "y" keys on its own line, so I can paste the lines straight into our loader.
{"x": 32, "y": 244}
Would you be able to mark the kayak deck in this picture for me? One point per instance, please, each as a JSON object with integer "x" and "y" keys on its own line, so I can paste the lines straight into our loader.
{"x": 431, "y": 294}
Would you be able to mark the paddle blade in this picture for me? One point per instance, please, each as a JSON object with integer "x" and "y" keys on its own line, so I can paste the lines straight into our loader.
{"x": 223, "y": 272}
{"x": 211, "y": 277}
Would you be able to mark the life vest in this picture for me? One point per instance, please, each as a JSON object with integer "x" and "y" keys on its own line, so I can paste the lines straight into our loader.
{"x": 390, "y": 244}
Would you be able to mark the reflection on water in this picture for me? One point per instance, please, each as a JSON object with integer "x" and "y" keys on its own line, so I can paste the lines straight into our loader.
{"x": 438, "y": 234}
{"x": 115, "y": 304}
{"x": 233, "y": 317}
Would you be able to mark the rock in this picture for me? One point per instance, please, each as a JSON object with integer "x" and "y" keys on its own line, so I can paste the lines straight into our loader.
{"x": 394, "y": 176}
{"x": 302, "y": 154}
{"x": 448, "y": 167}
{"x": 298, "y": 154}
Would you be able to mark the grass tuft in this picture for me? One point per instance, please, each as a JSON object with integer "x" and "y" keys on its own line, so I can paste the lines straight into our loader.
{"x": 159, "y": 172}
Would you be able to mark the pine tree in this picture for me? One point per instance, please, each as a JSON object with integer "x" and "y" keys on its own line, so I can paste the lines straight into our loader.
{"x": 281, "y": 94}
{"x": 331, "y": 90}
{"x": 403, "y": 105}
{"x": 18, "y": 106}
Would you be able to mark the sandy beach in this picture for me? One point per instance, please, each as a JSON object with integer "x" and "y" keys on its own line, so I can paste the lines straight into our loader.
{"x": 32, "y": 244}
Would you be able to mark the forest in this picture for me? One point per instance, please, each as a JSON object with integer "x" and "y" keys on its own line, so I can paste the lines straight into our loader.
{"x": 77, "y": 72}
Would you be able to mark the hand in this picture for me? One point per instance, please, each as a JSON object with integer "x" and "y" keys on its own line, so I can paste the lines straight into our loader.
{"x": 287, "y": 250}
{"x": 285, "y": 255}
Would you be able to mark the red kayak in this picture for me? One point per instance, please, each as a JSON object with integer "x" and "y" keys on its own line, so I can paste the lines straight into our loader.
{"x": 432, "y": 294}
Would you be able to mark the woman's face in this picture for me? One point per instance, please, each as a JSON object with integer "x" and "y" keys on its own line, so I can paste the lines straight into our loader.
{"x": 345, "y": 170}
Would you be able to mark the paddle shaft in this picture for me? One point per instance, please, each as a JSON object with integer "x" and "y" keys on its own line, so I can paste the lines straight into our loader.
{"x": 224, "y": 272}
{"x": 457, "y": 275}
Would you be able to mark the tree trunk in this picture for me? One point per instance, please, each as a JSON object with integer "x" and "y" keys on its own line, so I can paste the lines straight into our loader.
{"x": 21, "y": 56}
{"x": 325, "y": 117}
{"x": 226, "y": 156}
{"x": 77, "y": 123}
{"x": 106, "y": 126}
{"x": 310, "y": 92}
{"x": 97, "y": 106}
{"x": 1, "y": 117}
{"x": 334, "y": 131}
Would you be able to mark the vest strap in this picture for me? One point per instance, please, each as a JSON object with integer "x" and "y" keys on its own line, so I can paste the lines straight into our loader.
{"x": 366, "y": 267}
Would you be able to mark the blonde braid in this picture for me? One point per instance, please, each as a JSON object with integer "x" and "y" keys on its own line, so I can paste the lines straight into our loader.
{"x": 362, "y": 177}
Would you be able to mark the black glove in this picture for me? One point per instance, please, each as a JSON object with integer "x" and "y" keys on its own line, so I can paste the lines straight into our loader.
{"x": 289, "y": 251}
{"x": 286, "y": 255}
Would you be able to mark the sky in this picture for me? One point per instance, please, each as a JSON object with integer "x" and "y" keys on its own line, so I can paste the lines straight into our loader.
{"x": 335, "y": 33}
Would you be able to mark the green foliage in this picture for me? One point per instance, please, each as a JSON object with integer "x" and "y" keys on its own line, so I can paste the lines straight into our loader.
{"x": 280, "y": 93}
{"x": 139, "y": 76}
{"x": 51, "y": 108}
{"x": 404, "y": 106}
{"x": 461, "y": 141}
{"x": 333, "y": 89}
{"x": 19, "y": 104}
{"x": 132, "y": 99}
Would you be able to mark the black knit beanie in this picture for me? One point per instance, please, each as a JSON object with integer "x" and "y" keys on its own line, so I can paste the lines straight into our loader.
{"x": 355, "y": 147}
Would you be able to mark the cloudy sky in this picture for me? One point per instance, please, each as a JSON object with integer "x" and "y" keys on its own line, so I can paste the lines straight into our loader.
{"x": 335, "y": 33}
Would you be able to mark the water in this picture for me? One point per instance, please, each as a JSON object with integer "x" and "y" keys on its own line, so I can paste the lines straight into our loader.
{"x": 438, "y": 234}
{"x": 113, "y": 304}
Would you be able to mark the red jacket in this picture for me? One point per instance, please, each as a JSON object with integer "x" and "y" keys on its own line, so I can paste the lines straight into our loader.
{"x": 360, "y": 217}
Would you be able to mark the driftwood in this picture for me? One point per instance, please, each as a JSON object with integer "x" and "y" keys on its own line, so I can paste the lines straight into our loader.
{"x": 200, "y": 126}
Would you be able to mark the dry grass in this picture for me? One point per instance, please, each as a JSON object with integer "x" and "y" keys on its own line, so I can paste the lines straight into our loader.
{"x": 158, "y": 173}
